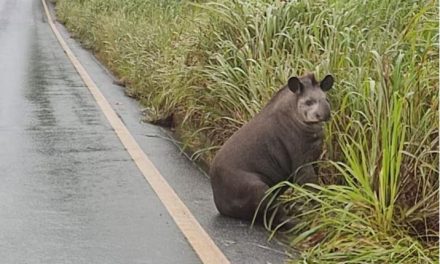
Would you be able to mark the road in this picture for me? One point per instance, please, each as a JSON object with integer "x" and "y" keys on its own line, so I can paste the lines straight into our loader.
{"x": 69, "y": 191}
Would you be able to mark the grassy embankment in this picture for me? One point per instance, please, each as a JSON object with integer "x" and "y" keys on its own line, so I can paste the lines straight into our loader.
{"x": 214, "y": 65}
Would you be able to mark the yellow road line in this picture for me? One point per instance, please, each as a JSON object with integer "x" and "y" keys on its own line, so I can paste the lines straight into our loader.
{"x": 202, "y": 244}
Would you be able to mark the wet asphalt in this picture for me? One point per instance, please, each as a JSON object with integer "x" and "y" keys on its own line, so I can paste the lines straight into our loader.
{"x": 69, "y": 192}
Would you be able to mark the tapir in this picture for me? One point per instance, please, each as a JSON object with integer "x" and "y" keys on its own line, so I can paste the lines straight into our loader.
{"x": 285, "y": 136}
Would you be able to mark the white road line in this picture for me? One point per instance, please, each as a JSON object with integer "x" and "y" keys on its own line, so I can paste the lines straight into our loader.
{"x": 202, "y": 244}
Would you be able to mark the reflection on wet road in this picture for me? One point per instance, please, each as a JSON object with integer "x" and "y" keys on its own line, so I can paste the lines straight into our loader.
{"x": 69, "y": 193}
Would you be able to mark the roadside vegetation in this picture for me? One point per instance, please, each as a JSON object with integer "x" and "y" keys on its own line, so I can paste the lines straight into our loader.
{"x": 213, "y": 65}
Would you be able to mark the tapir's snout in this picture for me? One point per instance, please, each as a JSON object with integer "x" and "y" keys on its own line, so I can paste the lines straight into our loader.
{"x": 320, "y": 114}
{"x": 324, "y": 118}
{"x": 326, "y": 115}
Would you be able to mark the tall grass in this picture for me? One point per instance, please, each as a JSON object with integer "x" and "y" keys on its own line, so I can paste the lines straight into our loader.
{"x": 215, "y": 64}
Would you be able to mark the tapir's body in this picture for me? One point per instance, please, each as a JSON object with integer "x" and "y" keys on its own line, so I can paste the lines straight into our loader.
{"x": 269, "y": 149}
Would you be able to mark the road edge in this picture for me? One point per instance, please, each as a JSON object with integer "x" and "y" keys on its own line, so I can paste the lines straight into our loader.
{"x": 197, "y": 237}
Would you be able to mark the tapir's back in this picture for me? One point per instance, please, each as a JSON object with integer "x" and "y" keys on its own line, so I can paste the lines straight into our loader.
{"x": 252, "y": 148}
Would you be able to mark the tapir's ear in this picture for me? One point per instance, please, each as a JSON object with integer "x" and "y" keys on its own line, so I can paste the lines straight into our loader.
{"x": 327, "y": 83}
{"x": 295, "y": 85}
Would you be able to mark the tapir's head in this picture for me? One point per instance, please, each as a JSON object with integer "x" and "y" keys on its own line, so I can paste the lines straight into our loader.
{"x": 312, "y": 104}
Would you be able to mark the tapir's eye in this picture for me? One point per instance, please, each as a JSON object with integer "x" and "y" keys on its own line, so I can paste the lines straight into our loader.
{"x": 310, "y": 102}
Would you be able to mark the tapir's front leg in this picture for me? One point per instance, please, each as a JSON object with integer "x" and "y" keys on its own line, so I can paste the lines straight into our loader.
{"x": 305, "y": 175}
